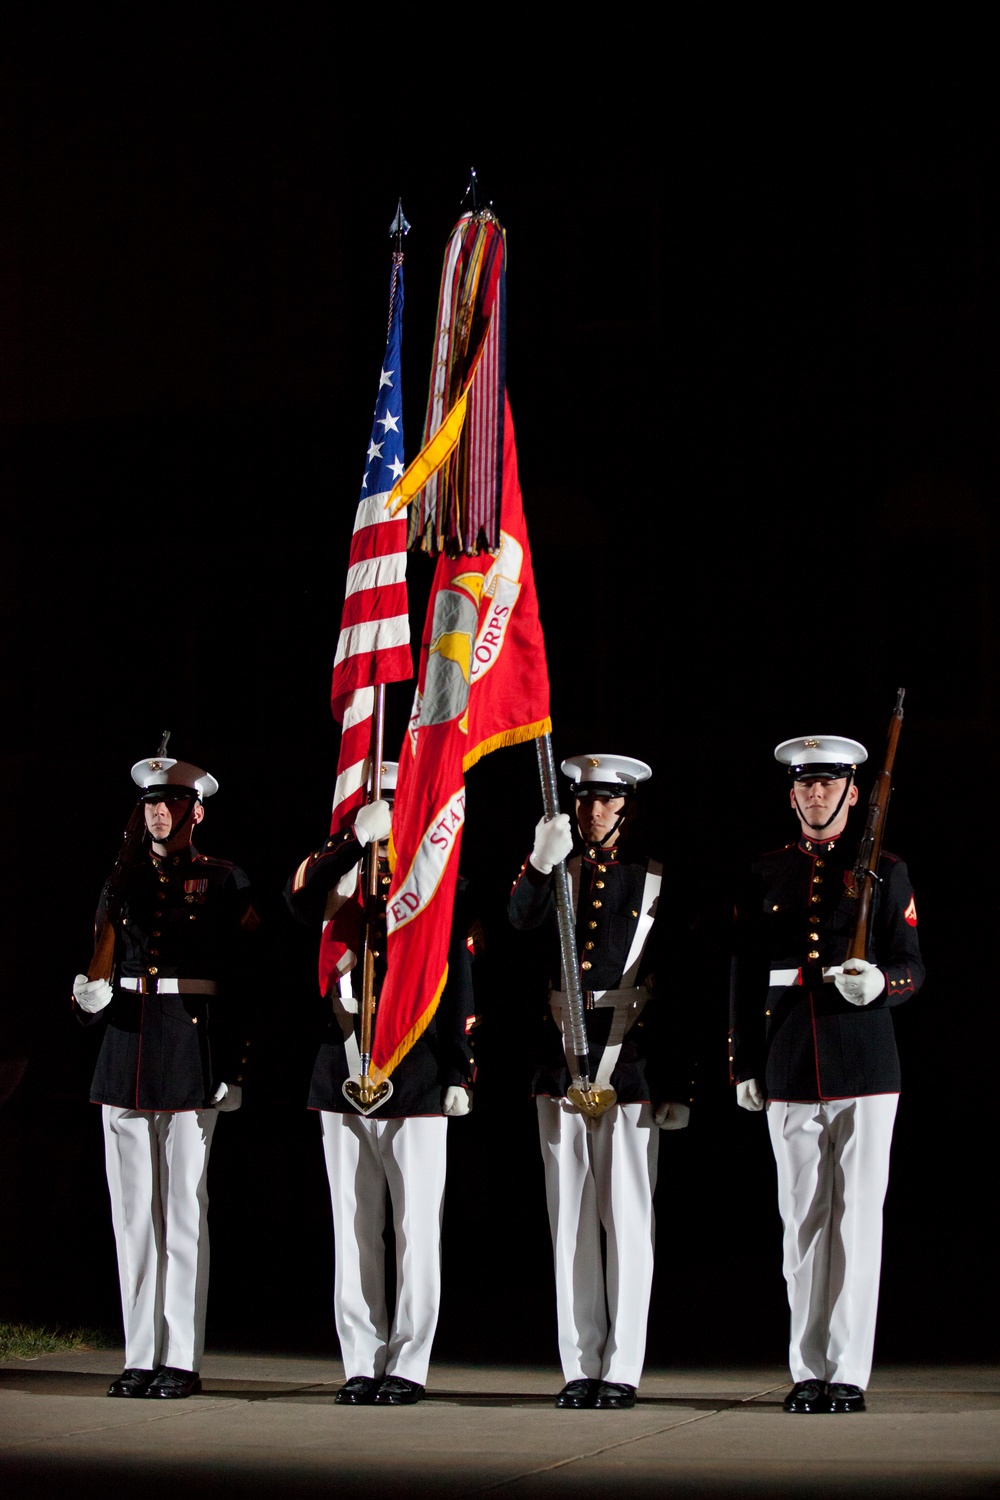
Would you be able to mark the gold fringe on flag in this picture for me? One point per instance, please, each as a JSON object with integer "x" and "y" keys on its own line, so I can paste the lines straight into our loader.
{"x": 506, "y": 737}
{"x": 414, "y": 1034}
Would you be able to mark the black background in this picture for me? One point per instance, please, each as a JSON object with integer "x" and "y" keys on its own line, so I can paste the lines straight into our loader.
{"x": 753, "y": 282}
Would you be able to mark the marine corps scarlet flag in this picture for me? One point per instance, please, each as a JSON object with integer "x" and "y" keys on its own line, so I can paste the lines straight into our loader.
{"x": 482, "y": 683}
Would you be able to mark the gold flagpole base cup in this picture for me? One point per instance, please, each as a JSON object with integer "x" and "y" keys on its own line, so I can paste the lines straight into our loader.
{"x": 365, "y": 1095}
{"x": 592, "y": 1102}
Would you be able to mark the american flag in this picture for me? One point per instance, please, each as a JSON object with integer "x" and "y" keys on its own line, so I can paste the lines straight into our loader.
{"x": 374, "y": 644}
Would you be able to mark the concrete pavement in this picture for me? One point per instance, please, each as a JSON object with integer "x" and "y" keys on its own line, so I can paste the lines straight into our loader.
{"x": 267, "y": 1425}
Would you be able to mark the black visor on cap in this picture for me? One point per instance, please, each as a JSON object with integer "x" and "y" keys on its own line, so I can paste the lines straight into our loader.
{"x": 169, "y": 794}
{"x": 830, "y": 771}
{"x": 586, "y": 791}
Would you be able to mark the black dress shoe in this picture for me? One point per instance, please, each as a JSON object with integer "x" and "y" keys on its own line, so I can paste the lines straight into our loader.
{"x": 842, "y": 1397}
{"x": 807, "y": 1396}
{"x": 173, "y": 1384}
{"x": 131, "y": 1383}
{"x": 614, "y": 1397}
{"x": 360, "y": 1390}
{"x": 395, "y": 1391}
{"x": 578, "y": 1394}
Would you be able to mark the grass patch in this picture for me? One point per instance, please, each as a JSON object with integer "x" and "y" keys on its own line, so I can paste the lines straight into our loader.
{"x": 22, "y": 1341}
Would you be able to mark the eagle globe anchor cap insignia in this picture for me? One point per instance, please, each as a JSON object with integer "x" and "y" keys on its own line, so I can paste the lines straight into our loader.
{"x": 830, "y": 756}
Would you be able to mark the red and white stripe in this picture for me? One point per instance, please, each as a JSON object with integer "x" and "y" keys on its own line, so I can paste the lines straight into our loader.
{"x": 374, "y": 644}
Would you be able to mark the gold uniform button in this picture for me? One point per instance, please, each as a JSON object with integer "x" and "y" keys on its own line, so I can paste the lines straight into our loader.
{"x": 602, "y": 869}
{"x": 588, "y": 945}
{"x": 635, "y": 914}
{"x": 194, "y": 1020}
{"x": 596, "y": 903}
{"x": 586, "y": 964}
{"x": 164, "y": 879}
{"x": 599, "y": 885}
{"x": 156, "y": 934}
{"x": 815, "y": 900}
{"x": 775, "y": 908}
{"x": 239, "y": 1078}
{"x": 820, "y": 864}
{"x": 817, "y": 880}
{"x": 591, "y": 924}
{"x": 767, "y": 1013}
{"x": 192, "y": 916}
{"x": 152, "y": 971}
{"x": 591, "y": 853}
{"x": 387, "y": 878}
{"x": 814, "y": 937}
{"x": 154, "y": 952}
{"x": 188, "y": 898}
{"x": 814, "y": 953}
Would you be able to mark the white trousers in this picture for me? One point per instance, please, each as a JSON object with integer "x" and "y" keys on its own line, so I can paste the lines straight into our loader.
{"x": 364, "y": 1156}
{"x": 833, "y": 1170}
{"x": 600, "y": 1173}
{"x": 157, "y": 1167}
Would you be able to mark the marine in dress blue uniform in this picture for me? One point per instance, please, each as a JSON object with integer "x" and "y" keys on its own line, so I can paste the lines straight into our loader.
{"x": 815, "y": 1047}
{"x": 172, "y": 1057}
{"x": 600, "y": 1172}
{"x": 400, "y": 1148}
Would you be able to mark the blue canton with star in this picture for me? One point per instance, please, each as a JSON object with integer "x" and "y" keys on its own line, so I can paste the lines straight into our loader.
{"x": 385, "y": 451}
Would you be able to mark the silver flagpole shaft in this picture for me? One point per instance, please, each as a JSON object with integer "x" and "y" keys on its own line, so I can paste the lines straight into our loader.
{"x": 565, "y": 919}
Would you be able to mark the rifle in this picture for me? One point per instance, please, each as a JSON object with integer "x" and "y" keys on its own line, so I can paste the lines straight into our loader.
{"x": 103, "y": 962}
{"x": 870, "y": 848}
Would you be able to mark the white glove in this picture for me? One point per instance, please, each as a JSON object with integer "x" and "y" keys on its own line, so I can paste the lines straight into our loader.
{"x": 749, "y": 1096}
{"x": 227, "y": 1096}
{"x": 860, "y": 988}
{"x": 373, "y": 822}
{"x": 457, "y": 1100}
{"x": 553, "y": 841}
{"x": 672, "y": 1116}
{"x": 91, "y": 994}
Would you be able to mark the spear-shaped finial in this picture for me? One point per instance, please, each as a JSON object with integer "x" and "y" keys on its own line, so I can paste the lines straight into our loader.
{"x": 400, "y": 225}
{"x": 470, "y": 197}
{"x": 163, "y": 743}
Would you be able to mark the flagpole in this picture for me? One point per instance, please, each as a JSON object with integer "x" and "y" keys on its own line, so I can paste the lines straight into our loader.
{"x": 371, "y": 893}
{"x": 591, "y": 1101}
{"x": 365, "y": 1095}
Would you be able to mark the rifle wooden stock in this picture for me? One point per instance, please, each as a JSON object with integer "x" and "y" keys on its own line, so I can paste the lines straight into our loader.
{"x": 866, "y": 865}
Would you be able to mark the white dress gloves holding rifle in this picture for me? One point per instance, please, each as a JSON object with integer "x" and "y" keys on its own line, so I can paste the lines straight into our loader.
{"x": 861, "y": 987}
{"x": 91, "y": 995}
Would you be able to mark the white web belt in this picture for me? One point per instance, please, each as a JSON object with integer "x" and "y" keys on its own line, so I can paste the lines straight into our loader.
{"x": 784, "y": 978}
{"x": 169, "y": 986}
